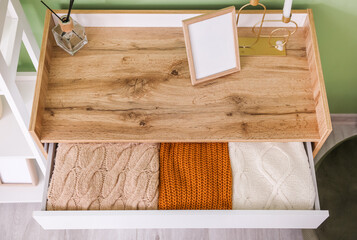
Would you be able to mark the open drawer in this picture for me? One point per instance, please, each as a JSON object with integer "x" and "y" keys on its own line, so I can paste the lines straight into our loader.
{"x": 131, "y": 83}
{"x": 178, "y": 218}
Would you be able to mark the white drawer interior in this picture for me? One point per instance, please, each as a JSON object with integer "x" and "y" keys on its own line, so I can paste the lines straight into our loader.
{"x": 178, "y": 218}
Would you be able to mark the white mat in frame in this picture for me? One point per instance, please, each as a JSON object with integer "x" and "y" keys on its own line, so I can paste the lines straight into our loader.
{"x": 212, "y": 45}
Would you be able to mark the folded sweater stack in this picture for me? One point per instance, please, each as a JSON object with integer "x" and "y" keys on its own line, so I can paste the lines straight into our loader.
{"x": 192, "y": 176}
{"x": 271, "y": 176}
{"x": 105, "y": 177}
{"x": 195, "y": 176}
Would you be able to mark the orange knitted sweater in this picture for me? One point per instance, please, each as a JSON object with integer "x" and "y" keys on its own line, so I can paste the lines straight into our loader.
{"x": 195, "y": 176}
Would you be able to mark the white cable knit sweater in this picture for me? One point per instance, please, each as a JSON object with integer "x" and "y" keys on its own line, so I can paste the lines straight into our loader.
{"x": 271, "y": 176}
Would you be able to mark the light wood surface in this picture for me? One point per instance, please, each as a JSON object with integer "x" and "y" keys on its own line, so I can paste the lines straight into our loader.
{"x": 39, "y": 100}
{"x": 134, "y": 85}
{"x": 189, "y": 49}
{"x": 318, "y": 84}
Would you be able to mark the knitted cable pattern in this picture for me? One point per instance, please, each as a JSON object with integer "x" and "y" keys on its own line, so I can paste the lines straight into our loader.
{"x": 105, "y": 177}
{"x": 271, "y": 175}
{"x": 195, "y": 176}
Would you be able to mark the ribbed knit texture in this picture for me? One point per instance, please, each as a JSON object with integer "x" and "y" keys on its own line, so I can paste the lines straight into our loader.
{"x": 195, "y": 176}
{"x": 105, "y": 177}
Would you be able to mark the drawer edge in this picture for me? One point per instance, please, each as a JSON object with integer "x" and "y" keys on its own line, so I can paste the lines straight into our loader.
{"x": 49, "y": 169}
{"x": 308, "y": 219}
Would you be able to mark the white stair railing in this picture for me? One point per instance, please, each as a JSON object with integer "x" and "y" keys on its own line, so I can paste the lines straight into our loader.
{"x": 15, "y": 29}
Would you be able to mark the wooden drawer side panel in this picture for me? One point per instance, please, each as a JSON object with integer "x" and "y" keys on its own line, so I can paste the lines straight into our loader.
{"x": 42, "y": 82}
{"x": 317, "y": 81}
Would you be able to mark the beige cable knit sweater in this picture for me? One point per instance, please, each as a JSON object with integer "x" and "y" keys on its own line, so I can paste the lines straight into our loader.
{"x": 105, "y": 177}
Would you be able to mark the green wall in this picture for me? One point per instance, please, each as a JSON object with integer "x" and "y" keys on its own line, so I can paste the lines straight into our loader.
{"x": 336, "y": 32}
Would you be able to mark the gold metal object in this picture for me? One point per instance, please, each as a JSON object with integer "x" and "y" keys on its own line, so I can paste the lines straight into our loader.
{"x": 252, "y": 3}
{"x": 261, "y": 48}
{"x": 284, "y": 36}
{"x": 274, "y": 42}
{"x": 285, "y": 19}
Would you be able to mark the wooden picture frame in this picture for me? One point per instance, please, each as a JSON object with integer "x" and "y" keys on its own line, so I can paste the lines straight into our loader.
{"x": 212, "y": 54}
{"x": 32, "y": 172}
